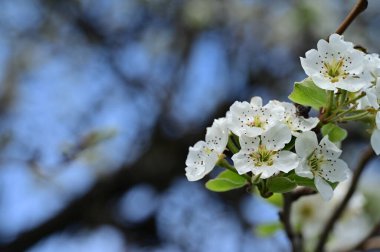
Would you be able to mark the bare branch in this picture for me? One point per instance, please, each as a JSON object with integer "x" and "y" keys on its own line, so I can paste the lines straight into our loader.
{"x": 360, "y": 6}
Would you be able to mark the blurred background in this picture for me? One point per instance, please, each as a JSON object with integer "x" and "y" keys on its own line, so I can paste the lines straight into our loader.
{"x": 100, "y": 100}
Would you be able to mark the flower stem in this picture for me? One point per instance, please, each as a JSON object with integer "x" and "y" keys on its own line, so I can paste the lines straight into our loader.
{"x": 362, "y": 94}
{"x": 231, "y": 145}
{"x": 342, "y": 97}
{"x": 332, "y": 118}
{"x": 354, "y": 117}
{"x": 330, "y": 102}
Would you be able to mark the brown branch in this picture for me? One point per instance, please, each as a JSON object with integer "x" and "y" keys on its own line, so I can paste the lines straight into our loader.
{"x": 290, "y": 197}
{"x": 360, "y": 6}
{"x": 366, "y": 157}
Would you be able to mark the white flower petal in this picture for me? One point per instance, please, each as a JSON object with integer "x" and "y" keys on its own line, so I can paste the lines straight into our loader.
{"x": 249, "y": 143}
{"x": 276, "y": 137}
{"x": 286, "y": 161}
{"x": 352, "y": 84}
{"x": 378, "y": 120}
{"x": 328, "y": 149}
{"x": 256, "y": 101}
{"x": 217, "y": 135}
{"x": 242, "y": 162}
{"x": 252, "y": 131}
{"x": 303, "y": 169}
{"x": 265, "y": 171}
{"x": 194, "y": 173}
{"x": 375, "y": 141}
{"x": 306, "y": 143}
{"x": 200, "y": 160}
{"x": 310, "y": 62}
{"x": 369, "y": 100}
{"x": 303, "y": 124}
{"x": 323, "y": 188}
{"x": 334, "y": 170}
{"x": 237, "y": 116}
{"x": 322, "y": 82}
{"x": 324, "y": 49}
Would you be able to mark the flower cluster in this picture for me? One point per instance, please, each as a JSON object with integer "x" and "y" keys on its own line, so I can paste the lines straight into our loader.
{"x": 262, "y": 133}
{"x": 277, "y": 143}
{"x": 339, "y": 67}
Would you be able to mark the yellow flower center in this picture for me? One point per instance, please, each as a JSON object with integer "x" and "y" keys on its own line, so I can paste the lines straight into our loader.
{"x": 256, "y": 122}
{"x": 315, "y": 163}
{"x": 263, "y": 156}
{"x": 334, "y": 70}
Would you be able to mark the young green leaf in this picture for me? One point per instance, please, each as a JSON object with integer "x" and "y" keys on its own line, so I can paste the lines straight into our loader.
{"x": 335, "y": 133}
{"x": 265, "y": 230}
{"x": 280, "y": 184}
{"x": 308, "y": 94}
{"x": 302, "y": 181}
{"x": 226, "y": 181}
{"x": 222, "y": 185}
{"x": 232, "y": 176}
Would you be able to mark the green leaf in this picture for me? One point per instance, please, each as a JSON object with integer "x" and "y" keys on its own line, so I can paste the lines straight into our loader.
{"x": 335, "y": 133}
{"x": 265, "y": 230}
{"x": 222, "y": 185}
{"x": 280, "y": 184}
{"x": 276, "y": 199}
{"x": 232, "y": 176}
{"x": 302, "y": 181}
{"x": 226, "y": 181}
{"x": 308, "y": 94}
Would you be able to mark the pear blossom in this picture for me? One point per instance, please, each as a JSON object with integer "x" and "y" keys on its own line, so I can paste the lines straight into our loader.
{"x": 336, "y": 64}
{"x": 205, "y": 154}
{"x": 372, "y": 97}
{"x": 321, "y": 162}
{"x": 263, "y": 155}
{"x": 253, "y": 119}
{"x": 375, "y": 138}
{"x": 296, "y": 123}
{"x": 372, "y": 64}
{"x": 352, "y": 227}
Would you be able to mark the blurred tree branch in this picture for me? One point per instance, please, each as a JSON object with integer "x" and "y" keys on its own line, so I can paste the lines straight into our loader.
{"x": 367, "y": 155}
{"x": 108, "y": 188}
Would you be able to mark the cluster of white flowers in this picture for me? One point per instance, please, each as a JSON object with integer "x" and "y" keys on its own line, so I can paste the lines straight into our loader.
{"x": 338, "y": 65}
{"x": 267, "y": 133}
{"x": 263, "y": 132}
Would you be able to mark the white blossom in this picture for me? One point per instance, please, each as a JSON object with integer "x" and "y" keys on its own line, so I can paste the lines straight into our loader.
{"x": 205, "y": 154}
{"x": 263, "y": 154}
{"x": 321, "y": 162}
{"x": 296, "y": 123}
{"x": 352, "y": 227}
{"x": 375, "y": 138}
{"x": 253, "y": 119}
{"x": 372, "y": 64}
{"x": 336, "y": 64}
{"x": 372, "y": 97}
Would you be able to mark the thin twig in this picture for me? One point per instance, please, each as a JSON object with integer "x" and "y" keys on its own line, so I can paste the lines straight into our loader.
{"x": 285, "y": 218}
{"x": 360, "y": 6}
{"x": 366, "y": 157}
